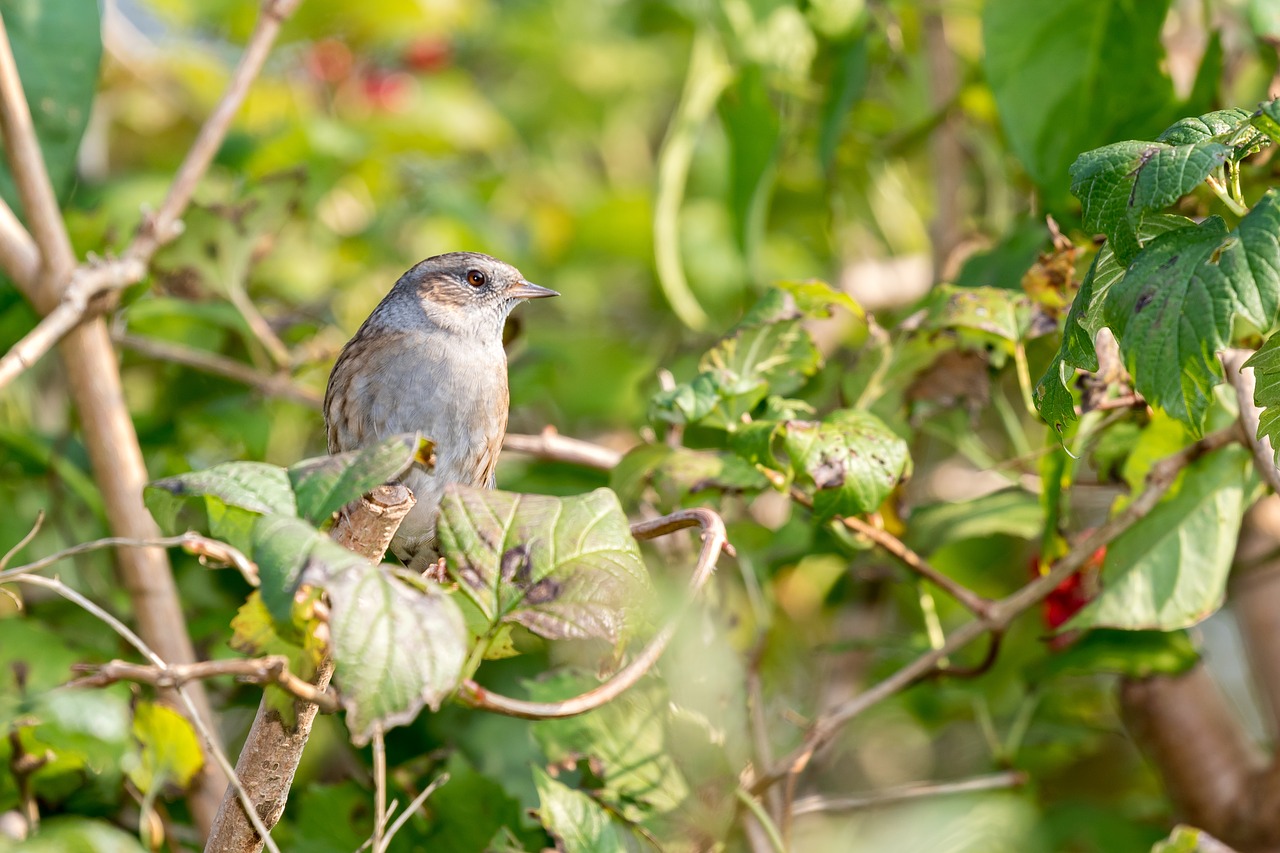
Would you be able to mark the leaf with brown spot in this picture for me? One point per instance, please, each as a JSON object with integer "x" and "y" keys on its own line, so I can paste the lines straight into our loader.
{"x": 562, "y": 567}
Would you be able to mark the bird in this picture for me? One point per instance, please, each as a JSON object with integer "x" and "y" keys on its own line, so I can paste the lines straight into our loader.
{"x": 430, "y": 359}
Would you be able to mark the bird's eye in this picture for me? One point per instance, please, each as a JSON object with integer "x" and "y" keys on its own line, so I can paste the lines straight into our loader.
{"x": 475, "y": 278}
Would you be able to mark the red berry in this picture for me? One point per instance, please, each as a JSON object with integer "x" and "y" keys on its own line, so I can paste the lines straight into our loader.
{"x": 428, "y": 54}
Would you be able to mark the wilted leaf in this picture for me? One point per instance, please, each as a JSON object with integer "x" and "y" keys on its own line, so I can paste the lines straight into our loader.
{"x": 1170, "y": 569}
{"x": 625, "y": 742}
{"x": 562, "y": 567}
{"x": 577, "y": 822}
{"x": 851, "y": 459}
{"x": 326, "y": 484}
{"x": 169, "y": 750}
{"x": 397, "y": 643}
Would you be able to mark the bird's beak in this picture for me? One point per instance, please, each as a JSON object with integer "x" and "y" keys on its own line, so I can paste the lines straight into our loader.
{"x": 528, "y": 290}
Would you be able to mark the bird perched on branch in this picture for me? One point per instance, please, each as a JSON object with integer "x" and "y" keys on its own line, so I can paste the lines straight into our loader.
{"x": 430, "y": 359}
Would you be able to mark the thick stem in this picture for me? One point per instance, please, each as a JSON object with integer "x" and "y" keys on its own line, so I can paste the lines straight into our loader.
{"x": 271, "y": 752}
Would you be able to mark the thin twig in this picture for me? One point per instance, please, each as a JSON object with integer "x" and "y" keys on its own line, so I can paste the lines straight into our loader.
{"x": 766, "y": 823}
{"x": 273, "y": 669}
{"x": 23, "y": 542}
{"x": 555, "y": 447}
{"x": 974, "y": 603}
{"x": 1002, "y": 612}
{"x": 713, "y": 542}
{"x": 212, "y": 746}
{"x": 272, "y": 384}
{"x": 379, "y": 787}
{"x": 413, "y": 807}
{"x": 993, "y": 782}
{"x": 192, "y": 542}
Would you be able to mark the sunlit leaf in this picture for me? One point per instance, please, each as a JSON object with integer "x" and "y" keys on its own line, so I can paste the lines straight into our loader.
{"x": 1170, "y": 569}
{"x": 577, "y": 822}
{"x": 253, "y": 486}
{"x": 625, "y": 740}
{"x": 326, "y": 484}
{"x": 1266, "y": 393}
{"x": 169, "y": 749}
{"x": 851, "y": 460}
{"x": 285, "y": 548}
{"x": 398, "y": 643}
{"x": 562, "y": 567}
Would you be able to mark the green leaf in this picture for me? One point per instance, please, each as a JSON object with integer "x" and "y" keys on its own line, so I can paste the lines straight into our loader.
{"x": 1170, "y": 569}
{"x": 577, "y": 822}
{"x": 169, "y": 750}
{"x": 1052, "y": 394}
{"x": 57, "y": 45}
{"x": 1266, "y": 393}
{"x": 471, "y": 809}
{"x": 565, "y": 568}
{"x": 1189, "y": 131}
{"x": 1267, "y": 119}
{"x": 1175, "y": 307}
{"x": 1188, "y": 839}
{"x": 397, "y": 643}
{"x": 985, "y": 315}
{"x": 285, "y": 549}
{"x": 254, "y": 486}
{"x": 848, "y": 81}
{"x": 768, "y": 352}
{"x": 1103, "y": 181}
{"x": 851, "y": 460}
{"x": 1168, "y": 174}
{"x": 326, "y": 484}
{"x": 1050, "y": 65}
{"x": 624, "y": 740}
{"x": 1008, "y": 512}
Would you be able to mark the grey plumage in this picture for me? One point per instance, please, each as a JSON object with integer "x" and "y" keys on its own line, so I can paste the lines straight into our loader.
{"x": 430, "y": 359}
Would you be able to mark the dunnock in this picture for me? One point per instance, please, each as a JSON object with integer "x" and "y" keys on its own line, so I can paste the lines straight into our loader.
{"x": 430, "y": 359}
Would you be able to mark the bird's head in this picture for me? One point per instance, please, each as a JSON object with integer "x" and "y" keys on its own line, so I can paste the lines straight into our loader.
{"x": 469, "y": 293}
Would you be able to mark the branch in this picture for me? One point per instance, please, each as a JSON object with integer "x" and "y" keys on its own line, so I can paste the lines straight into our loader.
{"x": 95, "y": 279}
{"x": 193, "y": 543}
{"x": 1244, "y": 382}
{"x": 1002, "y": 612}
{"x": 996, "y": 781}
{"x": 272, "y": 384}
{"x": 553, "y": 446}
{"x": 273, "y": 669}
{"x": 713, "y": 542}
{"x": 274, "y": 747}
{"x": 974, "y": 603}
{"x": 211, "y": 744}
{"x": 19, "y": 255}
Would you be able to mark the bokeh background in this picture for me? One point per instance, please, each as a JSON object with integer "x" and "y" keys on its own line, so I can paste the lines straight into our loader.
{"x": 659, "y": 163}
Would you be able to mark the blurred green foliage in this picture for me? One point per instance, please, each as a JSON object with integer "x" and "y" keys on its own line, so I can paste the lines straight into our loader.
{"x": 539, "y": 132}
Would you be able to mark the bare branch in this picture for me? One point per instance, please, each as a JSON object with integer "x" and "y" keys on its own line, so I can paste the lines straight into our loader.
{"x": 996, "y": 781}
{"x": 1244, "y": 382}
{"x": 413, "y": 807}
{"x": 273, "y": 385}
{"x": 713, "y": 542}
{"x": 274, "y": 747}
{"x": 1002, "y": 612}
{"x": 380, "y": 787}
{"x": 212, "y": 746}
{"x": 19, "y": 255}
{"x": 192, "y": 542}
{"x": 555, "y": 447}
{"x": 974, "y": 603}
{"x": 273, "y": 669}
